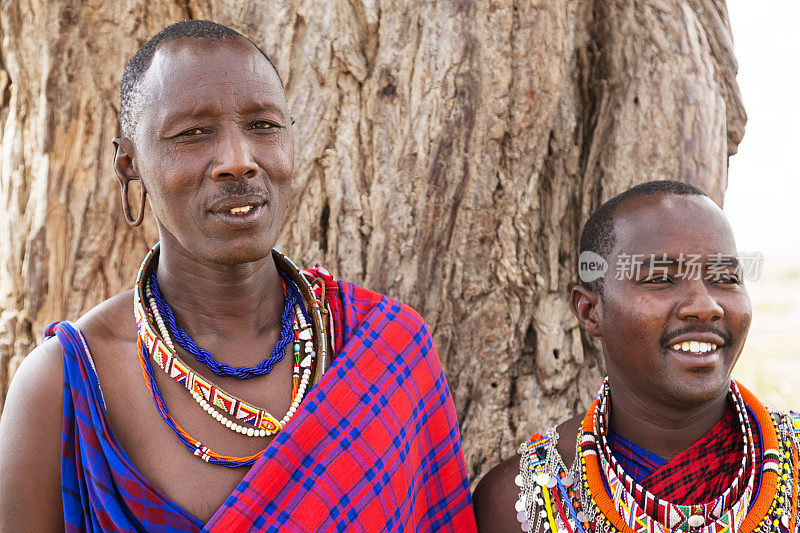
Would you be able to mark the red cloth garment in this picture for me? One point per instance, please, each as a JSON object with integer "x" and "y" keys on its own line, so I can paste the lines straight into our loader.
{"x": 375, "y": 445}
{"x": 703, "y": 471}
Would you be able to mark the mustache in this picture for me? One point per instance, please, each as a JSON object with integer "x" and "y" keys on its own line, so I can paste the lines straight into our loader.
{"x": 667, "y": 338}
{"x": 240, "y": 188}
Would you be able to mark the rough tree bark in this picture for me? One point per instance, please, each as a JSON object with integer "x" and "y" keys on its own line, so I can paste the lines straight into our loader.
{"x": 447, "y": 154}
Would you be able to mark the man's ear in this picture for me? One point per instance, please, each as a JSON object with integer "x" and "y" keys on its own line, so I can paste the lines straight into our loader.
{"x": 586, "y": 306}
{"x": 124, "y": 160}
{"x": 126, "y": 168}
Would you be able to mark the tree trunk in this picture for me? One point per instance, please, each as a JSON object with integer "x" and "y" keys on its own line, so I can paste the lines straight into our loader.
{"x": 448, "y": 153}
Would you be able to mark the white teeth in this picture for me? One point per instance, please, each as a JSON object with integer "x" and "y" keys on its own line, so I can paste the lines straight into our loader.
{"x": 242, "y": 210}
{"x": 695, "y": 347}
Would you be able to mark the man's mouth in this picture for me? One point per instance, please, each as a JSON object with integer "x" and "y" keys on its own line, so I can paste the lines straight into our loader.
{"x": 239, "y": 212}
{"x": 696, "y": 349}
{"x": 693, "y": 346}
{"x": 696, "y": 343}
{"x": 243, "y": 210}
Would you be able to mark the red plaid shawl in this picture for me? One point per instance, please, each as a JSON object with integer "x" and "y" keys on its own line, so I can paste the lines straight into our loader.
{"x": 703, "y": 471}
{"x": 374, "y": 446}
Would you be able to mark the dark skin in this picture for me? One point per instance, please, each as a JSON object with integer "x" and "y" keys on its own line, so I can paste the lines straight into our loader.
{"x": 215, "y": 134}
{"x": 662, "y": 399}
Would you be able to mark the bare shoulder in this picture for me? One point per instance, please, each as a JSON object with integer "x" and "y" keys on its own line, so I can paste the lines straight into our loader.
{"x": 41, "y": 374}
{"x": 30, "y": 444}
{"x": 109, "y": 322}
{"x": 36, "y": 388}
{"x": 495, "y": 497}
{"x": 38, "y": 381}
{"x": 497, "y": 493}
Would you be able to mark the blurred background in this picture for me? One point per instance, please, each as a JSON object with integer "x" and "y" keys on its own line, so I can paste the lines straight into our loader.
{"x": 763, "y": 190}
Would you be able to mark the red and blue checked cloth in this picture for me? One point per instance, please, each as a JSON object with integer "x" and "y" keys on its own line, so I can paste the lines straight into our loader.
{"x": 636, "y": 461}
{"x": 375, "y": 446}
{"x": 698, "y": 474}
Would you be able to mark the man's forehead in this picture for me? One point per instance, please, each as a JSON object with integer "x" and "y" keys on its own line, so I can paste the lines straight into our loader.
{"x": 187, "y": 56}
{"x": 673, "y": 224}
{"x": 188, "y": 76}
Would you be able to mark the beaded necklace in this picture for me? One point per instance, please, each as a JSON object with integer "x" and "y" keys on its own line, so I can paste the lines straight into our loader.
{"x": 548, "y": 488}
{"x": 605, "y": 507}
{"x": 209, "y": 396}
{"x": 587, "y": 499}
{"x": 204, "y": 391}
{"x": 636, "y": 505}
{"x": 205, "y": 357}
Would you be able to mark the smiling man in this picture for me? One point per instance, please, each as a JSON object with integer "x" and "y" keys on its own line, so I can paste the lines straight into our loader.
{"x": 670, "y": 443}
{"x": 228, "y": 390}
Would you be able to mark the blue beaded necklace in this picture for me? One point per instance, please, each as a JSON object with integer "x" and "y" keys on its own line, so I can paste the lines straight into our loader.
{"x": 291, "y": 297}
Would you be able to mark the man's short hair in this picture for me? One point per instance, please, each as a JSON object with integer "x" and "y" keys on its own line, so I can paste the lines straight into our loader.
{"x": 129, "y": 91}
{"x": 598, "y": 233}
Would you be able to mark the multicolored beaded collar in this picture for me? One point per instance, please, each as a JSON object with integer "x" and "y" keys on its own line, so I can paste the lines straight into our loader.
{"x": 636, "y": 505}
{"x": 209, "y": 396}
{"x": 580, "y": 499}
{"x": 765, "y": 509}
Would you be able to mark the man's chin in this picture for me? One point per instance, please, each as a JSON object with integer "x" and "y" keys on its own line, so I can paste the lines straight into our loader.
{"x": 698, "y": 378}
{"x": 240, "y": 257}
{"x": 697, "y": 390}
{"x": 232, "y": 252}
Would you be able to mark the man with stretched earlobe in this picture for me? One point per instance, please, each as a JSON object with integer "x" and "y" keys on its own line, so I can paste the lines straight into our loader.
{"x": 227, "y": 390}
{"x": 670, "y": 443}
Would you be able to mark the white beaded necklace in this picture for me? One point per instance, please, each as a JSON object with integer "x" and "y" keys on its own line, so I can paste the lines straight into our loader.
{"x": 306, "y": 364}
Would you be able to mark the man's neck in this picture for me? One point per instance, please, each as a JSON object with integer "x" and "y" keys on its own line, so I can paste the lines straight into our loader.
{"x": 661, "y": 429}
{"x": 224, "y": 305}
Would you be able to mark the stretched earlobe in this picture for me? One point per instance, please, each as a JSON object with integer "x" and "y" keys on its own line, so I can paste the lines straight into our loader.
{"x": 585, "y": 304}
{"x": 125, "y": 168}
{"x": 126, "y": 208}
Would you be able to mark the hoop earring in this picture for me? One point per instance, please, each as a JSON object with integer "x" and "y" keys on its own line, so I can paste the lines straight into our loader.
{"x": 126, "y": 209}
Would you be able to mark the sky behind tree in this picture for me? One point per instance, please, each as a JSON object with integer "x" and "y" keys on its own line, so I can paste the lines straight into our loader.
{"x": 763, "y": 193}
{"x": 763, "y": 182}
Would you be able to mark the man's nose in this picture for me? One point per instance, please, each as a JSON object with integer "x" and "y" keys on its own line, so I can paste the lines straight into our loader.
{"x": 234, "y": 159}
{"x": 699, "y": 303}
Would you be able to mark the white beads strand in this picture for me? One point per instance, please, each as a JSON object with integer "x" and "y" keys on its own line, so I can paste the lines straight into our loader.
{"x": 209, "y": 408}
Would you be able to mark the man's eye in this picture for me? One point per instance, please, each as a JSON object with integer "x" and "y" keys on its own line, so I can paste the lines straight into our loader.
{"x": 726, "y": 279}
{"x": 193, "y": 131}
{"x": 262, "y": 125}
{"x": 661, "y": 278}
